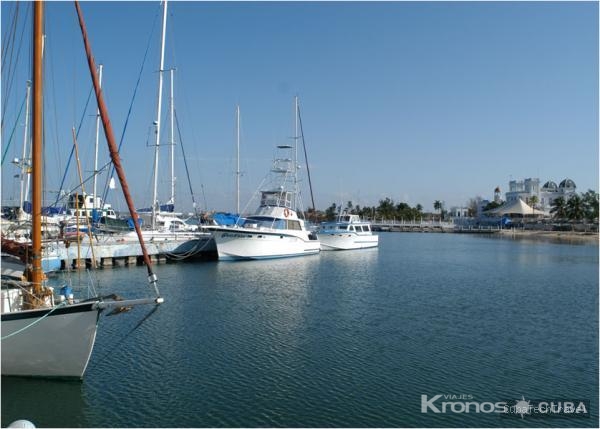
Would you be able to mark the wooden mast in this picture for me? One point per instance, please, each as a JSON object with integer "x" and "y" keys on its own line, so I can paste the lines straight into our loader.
{"x": 35, "y": 274}
{"x": 112, "y": 147}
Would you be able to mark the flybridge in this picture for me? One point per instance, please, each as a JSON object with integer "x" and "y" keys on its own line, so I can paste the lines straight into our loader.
{"x": 277, "y": 199}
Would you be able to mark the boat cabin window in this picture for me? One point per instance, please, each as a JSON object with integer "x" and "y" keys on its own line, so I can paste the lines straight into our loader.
{"x": 343, "y": 227}
{"x": 276, "y": 199}
{"x": 294, "y": 224}
{"x": 270, "y": 222}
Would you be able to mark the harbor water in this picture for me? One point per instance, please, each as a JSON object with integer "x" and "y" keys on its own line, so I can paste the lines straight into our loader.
{"x": 342, "y": 339}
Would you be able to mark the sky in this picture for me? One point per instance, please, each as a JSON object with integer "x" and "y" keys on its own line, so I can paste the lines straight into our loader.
{"x": 412, "y": 101}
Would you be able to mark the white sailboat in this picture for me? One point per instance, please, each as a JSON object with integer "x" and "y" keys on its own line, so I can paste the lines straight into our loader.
{"x": 166, "y": 225}
{"x": 275, "y": 230}
{"x": 40, "y": 336}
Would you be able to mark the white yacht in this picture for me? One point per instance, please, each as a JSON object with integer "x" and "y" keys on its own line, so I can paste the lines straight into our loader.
{"x": 347, "y": 232}
{"x": 275, "y": 230}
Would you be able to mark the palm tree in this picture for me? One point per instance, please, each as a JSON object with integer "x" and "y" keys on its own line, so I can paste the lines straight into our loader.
{"x": 590, "y": 201}
{"x": 386, "y": 208}
{"x": 576, "y": 208}
{"x": 533, "y": 200}
{"x": 437, "y": 205}
{"x": 349, "y": 207}
{"x": 559, "y": 208}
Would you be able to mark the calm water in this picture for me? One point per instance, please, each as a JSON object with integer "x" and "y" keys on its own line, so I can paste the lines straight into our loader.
{"x": 340, "y": 339}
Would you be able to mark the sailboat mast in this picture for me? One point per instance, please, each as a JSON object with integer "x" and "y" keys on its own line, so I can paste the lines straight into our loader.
{"x": 296, "y": 196}
{"x": 172, "y": 142}
{"x": 237, "y": 172}
{"x": 114, "y": 150}
{"x": 24, "y": 168}
{"x": 36, "y": 274}
{"x": 158, "y": 112}
{"x": 94, "y": 206}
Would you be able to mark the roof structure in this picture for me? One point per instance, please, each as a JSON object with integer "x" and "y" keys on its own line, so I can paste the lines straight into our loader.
{"x": 518, "y": 207}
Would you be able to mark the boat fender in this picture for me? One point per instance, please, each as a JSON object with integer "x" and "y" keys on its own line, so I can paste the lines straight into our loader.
{"x": 286, "y": 212}
{"x": 21, "y": 424}
{"x": 66, "y": 292}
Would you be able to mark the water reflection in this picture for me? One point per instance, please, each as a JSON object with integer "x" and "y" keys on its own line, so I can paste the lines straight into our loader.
{"x": 44, "y": 402}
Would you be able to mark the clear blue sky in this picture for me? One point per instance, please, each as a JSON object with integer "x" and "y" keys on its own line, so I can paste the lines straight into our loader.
{"x": 413, "y": 101}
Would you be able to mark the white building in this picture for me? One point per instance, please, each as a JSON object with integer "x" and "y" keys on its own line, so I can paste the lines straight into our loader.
{"x": 527, "y": 188}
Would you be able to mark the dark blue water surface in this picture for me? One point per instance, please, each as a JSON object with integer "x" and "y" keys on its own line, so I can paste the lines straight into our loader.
{"x": 351, "y": 339}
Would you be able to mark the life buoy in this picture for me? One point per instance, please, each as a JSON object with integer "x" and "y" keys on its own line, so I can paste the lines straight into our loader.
{"x": 286, "y": 212}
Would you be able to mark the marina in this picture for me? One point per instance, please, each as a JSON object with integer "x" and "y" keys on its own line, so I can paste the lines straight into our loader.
{"x": 343, "y": 339}
{"x": 444, "y": 286}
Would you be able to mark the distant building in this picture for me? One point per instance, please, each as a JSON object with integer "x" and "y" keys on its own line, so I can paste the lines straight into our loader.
{"x": 456, "y": 212}
{"x": 497, "y": 193}
{"x": 527, "y": 188}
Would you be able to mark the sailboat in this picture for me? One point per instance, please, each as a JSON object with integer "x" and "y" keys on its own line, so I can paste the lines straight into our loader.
{"x": 184, "y": 240}
{"x": 43, "y": 334}
{"x": 275, "y": 230}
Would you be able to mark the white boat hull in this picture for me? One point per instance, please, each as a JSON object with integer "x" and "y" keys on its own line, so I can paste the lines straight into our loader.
{"x": 246, "y": 243}
{"x": 55, "y": 343}
{"x": 347, "y": 241}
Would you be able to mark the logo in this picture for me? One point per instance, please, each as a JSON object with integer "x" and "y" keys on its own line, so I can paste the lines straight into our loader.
{"x": 535, "y": 408}
{"x": 520, "y": 408}
{"x": 459, "y": 404}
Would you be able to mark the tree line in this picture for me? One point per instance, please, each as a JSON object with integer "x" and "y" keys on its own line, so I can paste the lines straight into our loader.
{"x": 577, "y": 207}
{"x": 387, "y": 209}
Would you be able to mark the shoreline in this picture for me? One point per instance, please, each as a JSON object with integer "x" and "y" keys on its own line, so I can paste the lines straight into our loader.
{"x": 569, "y": 237}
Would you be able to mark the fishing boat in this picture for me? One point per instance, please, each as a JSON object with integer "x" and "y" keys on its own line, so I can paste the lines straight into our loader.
{"x": 346, "y": 233}
{"x": 275, "y": 230}
{"x": 47, "y": 334}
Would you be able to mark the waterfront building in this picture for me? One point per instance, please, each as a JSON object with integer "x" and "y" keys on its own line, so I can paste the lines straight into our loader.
{"x": 545, "y": 194}
{"x": 459, "y": 212}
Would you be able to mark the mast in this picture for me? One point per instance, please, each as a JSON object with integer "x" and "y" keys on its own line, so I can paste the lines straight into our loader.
{"x": 158, "y": 112}
{"x": 94, "y": 206}
{"x": 113, "y": 149}
{"x": 172, "y": 142}
{"x": 237, "y": 172}
{"x": 24, "y": 168}
{"x": 296, "y": 196}
{"x": 35, "y": 274}
{"x": 312, "y": 198}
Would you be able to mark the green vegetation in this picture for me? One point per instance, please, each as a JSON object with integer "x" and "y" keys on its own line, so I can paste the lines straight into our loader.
{"x": 386, "y": 209}
{"x": 577, "y": 207}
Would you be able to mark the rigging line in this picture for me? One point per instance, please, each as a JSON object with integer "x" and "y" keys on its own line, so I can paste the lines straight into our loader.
{"x": 12, "y": 334}
{"x": 121, "y": 340}
{"x": 135, "y": 90}
{"x": 10, "y": 33}
{"x": 114, "y": 152}
{"x": 89, "y": 226}
{"x": 13, "y": 132}
{"x": 11, "y": 73}
{"x": 83, "y": 115}
{"x": 187, "y": 171}
{"x": 9, "y": 46}
{"x": 312, "y": 198}
{"x": 49, "y": 64}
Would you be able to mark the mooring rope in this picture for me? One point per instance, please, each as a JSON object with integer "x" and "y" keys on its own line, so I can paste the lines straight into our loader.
{"x": 62, "y": 304}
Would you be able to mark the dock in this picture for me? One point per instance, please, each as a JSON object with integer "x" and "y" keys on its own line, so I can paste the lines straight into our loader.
{"x": 432, "y": 226}
{"x": 108, "y": 251}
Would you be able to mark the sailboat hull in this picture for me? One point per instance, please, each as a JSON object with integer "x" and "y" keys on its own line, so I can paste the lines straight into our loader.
{"x": 49, "y": 342}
